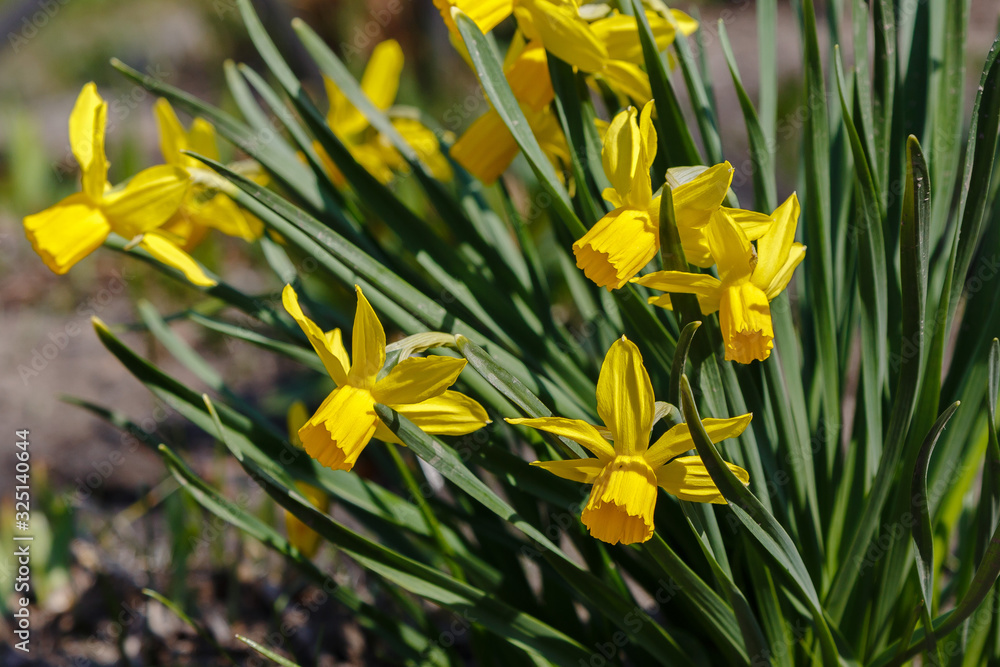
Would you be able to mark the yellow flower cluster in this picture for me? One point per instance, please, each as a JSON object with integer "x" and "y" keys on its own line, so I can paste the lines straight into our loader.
{"x": 165, "y": 210}
{"x": 624, "y": 241}
{"x": 603, "y": 45}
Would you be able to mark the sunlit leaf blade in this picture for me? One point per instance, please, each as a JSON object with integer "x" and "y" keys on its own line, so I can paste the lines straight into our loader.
{"x": 767, "y": 532}
{"x": 489, "y": 70}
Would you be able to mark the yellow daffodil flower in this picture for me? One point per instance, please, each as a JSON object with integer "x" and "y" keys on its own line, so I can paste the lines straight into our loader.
{"x": 204, "y": 207}
{"x": 69, "y": 231}
{"x": 748, "y": 280}
{"x": 374, "y": 152}
{"x": 625, "y": 474}
{"x": 623, "y": 241}
{"x": 698, "y": 193}
{"x": 416, "y": 388}
{"x": 301, "y": 536}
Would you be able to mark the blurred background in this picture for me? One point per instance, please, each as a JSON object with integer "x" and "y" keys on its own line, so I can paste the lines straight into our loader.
{"x": 107, "y": 517}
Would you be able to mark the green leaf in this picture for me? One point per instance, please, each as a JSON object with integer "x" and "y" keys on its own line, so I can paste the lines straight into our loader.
{"x": 761, "y": 151}
{"x": 680, "y": 359}
{"x": 489, "y": 70}
{"x": 872, "y": 282}
{"x": 923, "y": 536}
{"x": 712, "y": 612}
{"x": 267, "y": 653}
{"x": 407, "y": 641}
{"x": 822, "y": 289}
{"x": 672, "y": 131}
{"x": 766, "y": 531}
{"x": 913, "y": 270}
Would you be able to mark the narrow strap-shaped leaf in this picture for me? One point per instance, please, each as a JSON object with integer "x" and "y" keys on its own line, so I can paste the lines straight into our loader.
{"x": 672, "y": 130}
{"x": 713, "y": 612}
{"x": 761, "y": 150}
{"x": 913, "y": 269}
{"x": 401, "y": 637}
{"x": 680, "y": 359}
{"x": 489, "y": 70}
{"x": 266, "y": 652}
{"x": 766, "y": 531}
{"x": 923, "y": 536}
{"x": 821, "y": 286}
{"x": 872, "y": 281}
{"x": 982, "y": 583}
{"x": 979, "y": 165}
{"x": 694, "y": 80}
{"x": 989, "y": 495}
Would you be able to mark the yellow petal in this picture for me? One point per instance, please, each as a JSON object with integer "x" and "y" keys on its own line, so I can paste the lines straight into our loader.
{"x": 87, "y": 124}
{"x": 730, "y": 248}
{"x": 677, "y": 440}
{"x": 201, "y": 139}
{"x": 618, "y": 246}
{"x": 342, "y": 117}
{"x": 380, "y": 81}
{"x": 167, "y": 252}
{"x": 697, "y": 189}
{"x": 486, "y": 148}
{"x": 296, "y": 419}
{"x": 688, "y": 479}
{"x": 575, "y": 429}
{"x": 625, "y": 399}
{"x": 425, "y": 142}
{"x": 685, "y": 24}
{"x": 698, "y": 193}
{"x": 222, "y": 213}
{"x": 528, "y": 76}
{"x": 780, "y": 281}
{"x": 707, "y": 287}
{"x": 745, "y": 320}
{"x": 333, "y": 356}
{"x": 417, "y": 379}
{"x": 67, "y": 232}
{"x": 627, "y": 79}
{"x": 367, "y": 344}
{"x": 340, "y": 429}
{"x": 621, "y": 504}
{"x": 753, "y": 224}
{"x": 147, "y": 201}
{"x": 173, "y": 139}
{"x": 450, "y": 413}
{"x": 486, "y": 14}
{"x": 620, "y": 35}
{"x": 575, "y": 470}
{"x": 774, "y": 246}
{"x": 621, "y": 153}
{"x": 301, "y": 536}
{"x": 562, "y": 31}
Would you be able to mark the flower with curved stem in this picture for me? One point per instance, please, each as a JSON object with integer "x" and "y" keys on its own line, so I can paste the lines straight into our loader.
{"x": 204, "y": 206}
{"x": 698, "y": 194}
{"x": 137, "y": 210}
{"x": 623, "y": 241}
{"x": 416, "y": 388}
{"x": 373, "y": 151}
{"x": 626, "y": 473}
{"x": 749, "y": 278}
